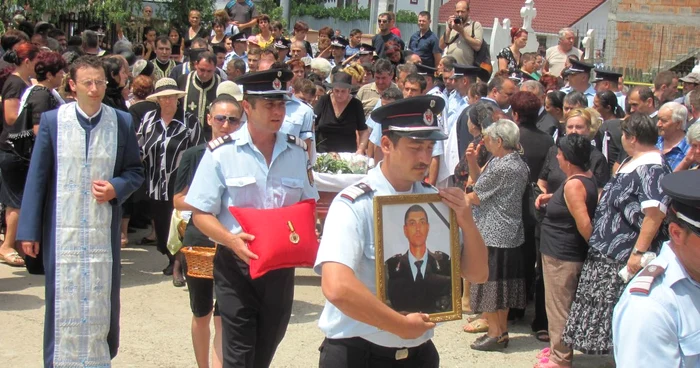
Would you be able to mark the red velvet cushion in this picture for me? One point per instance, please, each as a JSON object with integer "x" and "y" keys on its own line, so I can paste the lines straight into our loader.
{"x": 272, "y": 242}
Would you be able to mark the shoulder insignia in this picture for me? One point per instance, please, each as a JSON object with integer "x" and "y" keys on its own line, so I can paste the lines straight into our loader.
{"x": 394, "y": 263}
{"x": 643, "y": 282}
{"x": 353, "y": 192}
{"x": 218, "y": 142}
{"x": 296, "y": 141}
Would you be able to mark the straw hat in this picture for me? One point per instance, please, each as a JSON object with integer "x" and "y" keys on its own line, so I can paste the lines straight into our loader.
{"x": 165, "y": 87}
{"x": 231, "y": 89}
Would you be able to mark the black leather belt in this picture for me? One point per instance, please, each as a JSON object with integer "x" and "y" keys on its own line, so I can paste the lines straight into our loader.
{"x": 377, "y": 350}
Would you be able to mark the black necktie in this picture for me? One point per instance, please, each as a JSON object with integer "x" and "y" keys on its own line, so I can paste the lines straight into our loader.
{"x": 419, "y": 275}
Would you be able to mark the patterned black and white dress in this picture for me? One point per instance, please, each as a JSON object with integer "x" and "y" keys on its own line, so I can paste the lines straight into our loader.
{"x": 617, "y": 224}
{"x": 162, "y": 147}
{"x": 500, "y": 189}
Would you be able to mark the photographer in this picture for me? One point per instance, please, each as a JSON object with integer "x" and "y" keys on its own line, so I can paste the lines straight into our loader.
{"x": 463, "y": 38}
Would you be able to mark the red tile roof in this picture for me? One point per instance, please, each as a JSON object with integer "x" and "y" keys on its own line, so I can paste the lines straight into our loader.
{"x": 552, "y": 15}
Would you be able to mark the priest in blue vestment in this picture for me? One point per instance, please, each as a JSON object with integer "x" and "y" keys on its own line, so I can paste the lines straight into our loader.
{"x": 85, "y": 163}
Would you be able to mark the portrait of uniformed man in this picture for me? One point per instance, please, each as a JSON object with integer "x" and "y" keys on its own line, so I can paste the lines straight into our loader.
{"x": 419, "y": 279}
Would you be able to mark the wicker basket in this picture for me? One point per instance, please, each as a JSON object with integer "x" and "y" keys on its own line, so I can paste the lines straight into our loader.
{"x": 200, "y": 261}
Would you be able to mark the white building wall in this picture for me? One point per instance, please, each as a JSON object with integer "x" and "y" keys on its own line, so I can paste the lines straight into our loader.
{"x": 597, "y": 20}
{"x": 411, "y": 5}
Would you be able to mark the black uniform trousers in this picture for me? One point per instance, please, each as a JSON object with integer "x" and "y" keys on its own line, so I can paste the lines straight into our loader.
{"x": 254, "y": 313}
{"x": 357, "y": 352}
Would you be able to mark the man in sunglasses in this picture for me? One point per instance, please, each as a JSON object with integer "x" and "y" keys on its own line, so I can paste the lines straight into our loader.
{"x": 224, "y": 118}
{"x": 385, "y": 35}
{"x": 665, "y": 295}
{"x": 257, "y": 166}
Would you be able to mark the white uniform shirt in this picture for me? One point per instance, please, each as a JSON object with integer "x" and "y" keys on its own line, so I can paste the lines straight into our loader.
{"x": 348, "y": 239}
{"x": 236, "y": 174}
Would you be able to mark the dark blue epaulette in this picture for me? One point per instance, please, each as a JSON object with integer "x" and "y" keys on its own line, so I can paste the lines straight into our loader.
{"x": 218, "y": 142}
{"x": 353, "y": 192}
{"x": 297, "y": 141}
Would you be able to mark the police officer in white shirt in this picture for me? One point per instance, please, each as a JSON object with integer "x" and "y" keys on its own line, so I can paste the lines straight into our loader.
{"x": 257, "y": 166}
{"x": 360, "y": 330}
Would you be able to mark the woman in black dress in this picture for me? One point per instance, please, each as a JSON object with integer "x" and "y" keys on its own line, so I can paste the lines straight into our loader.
{"x": 195, "y": 30}
{"x": 509, "y": 57}
{"x": 13, "y": 168}
{"x": 551, "y": 177}
{"x": 117, "y": 73}
{"x": 534, "y": 145}
{"x": 566, "y": 228}
{"x": 340, "y": 120}
{"x": 164, "y": 135}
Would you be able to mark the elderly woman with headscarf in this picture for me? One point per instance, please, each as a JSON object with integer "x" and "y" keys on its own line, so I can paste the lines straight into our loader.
{"x": 628, "y": 223}
{"x": 164, "y": 134}
{"x": 340, "y": 119}
{"x": 496, "y": 198}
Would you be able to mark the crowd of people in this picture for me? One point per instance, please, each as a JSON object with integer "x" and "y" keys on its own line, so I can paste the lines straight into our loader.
{"x": 560, "y": 176}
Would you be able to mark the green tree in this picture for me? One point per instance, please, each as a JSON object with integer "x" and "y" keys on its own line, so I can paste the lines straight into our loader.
{"x": 114, "y": 11}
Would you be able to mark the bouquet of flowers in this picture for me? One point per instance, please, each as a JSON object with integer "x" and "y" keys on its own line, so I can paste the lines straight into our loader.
{"x": 342, "y": 163}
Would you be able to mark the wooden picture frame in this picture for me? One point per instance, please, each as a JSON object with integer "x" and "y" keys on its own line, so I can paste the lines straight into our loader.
{"x": 437, "y": 288}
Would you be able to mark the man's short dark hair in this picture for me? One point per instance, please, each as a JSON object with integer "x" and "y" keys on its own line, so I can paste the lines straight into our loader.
{"x": 55, "y": 33}
{"x": 238, "y": 65}
{"x": 163, "y": 40}
{"x": 383, "y": 66}
{"x": 448, "y": 63}
{"x": 640, "y": 126}
{"x": 497, "y": 83}
{"x": 255, "y": 51}
{"x": 392, "y": 93}
{"x": 304, "y": 86}
{"x": 75, "y": 41}
{"x": 664, "y": 78}
{"x": 645, "y": 93}
{"x": 208, "y": 56}
{"x": 417, "y": 78}
{"x": 198, "y": 42}
{"x": 415, "y": 208}
{"x": 279, "y": 65}
{"x": 424, "y": 13}
{"x": 576, "y": 98}
{"x": 87, "y": 61}
{"x": 90, "y": 39}
{"x": 479, "y": 89}
{"x": 43, "y": 28}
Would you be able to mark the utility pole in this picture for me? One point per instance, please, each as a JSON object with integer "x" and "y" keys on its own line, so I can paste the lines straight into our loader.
{"x": 285, "y": 11}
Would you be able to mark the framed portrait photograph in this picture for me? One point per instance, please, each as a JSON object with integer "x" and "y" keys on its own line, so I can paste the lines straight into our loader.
{"x": 417, "y": 256}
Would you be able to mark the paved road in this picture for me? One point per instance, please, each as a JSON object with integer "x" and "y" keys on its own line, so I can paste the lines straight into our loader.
{"x": 155, "y": 323}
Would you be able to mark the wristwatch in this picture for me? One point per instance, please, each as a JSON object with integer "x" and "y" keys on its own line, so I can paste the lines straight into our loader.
{"x": 637, "y": 252}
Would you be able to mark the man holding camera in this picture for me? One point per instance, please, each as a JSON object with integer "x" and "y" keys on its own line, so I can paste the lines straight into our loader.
{"x": 463, "y": 38}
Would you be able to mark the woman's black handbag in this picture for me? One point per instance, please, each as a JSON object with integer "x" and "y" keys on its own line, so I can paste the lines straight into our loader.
{"x": 22, "y": 143}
